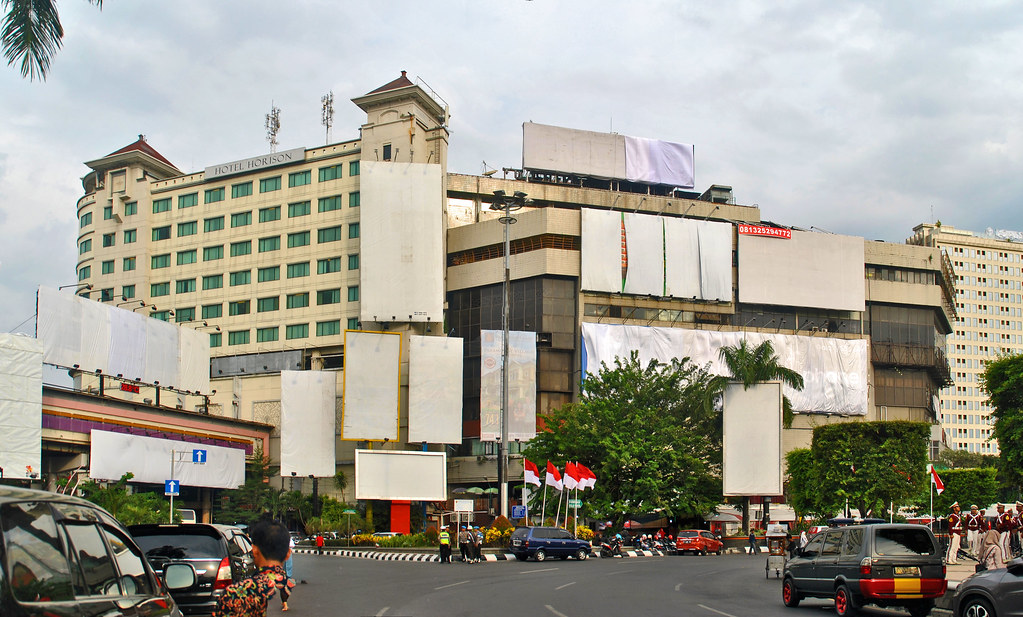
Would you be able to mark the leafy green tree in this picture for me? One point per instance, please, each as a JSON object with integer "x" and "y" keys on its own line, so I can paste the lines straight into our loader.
{"x": 1002, "y": 379}
{"x": 649, "y": 433}
{"x": 963, "y": 459}
{"x": 753, "y": 365}
{"x": 802, "y": 492}
{"x": 245, "y": 504}
{"x": 967, "y": 486}
{"x": 31, "y": 34}
{"x": 131, "y": 508}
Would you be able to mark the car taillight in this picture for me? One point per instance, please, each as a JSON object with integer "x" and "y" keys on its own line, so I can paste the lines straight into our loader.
{"x": 223, "y": 574}
{"x": 865, "y": 566}
{"x": 942, "y": 571}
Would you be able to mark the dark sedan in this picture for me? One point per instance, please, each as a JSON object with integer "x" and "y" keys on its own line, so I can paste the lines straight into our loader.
{"x": 992, "y": 593}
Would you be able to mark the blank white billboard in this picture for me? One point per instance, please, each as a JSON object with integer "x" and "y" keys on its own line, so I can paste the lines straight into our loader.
{"x": 397, "y": 475}
{"x": 816, "y": 270}
{"x": 401, "y": 242}
{"x": 149, "y": 459}
{"x": 371, "y": 381}
{"x": 586, "y": 153}
{"x": 99, "y": 337}
{"x": 21, "y": 405}
{"x": 435, "y": 389}
{"x": 307, "y": 423}
{"x": 601, "y": 250}
{"x": 521, "y": 385}
{"x": 752, "y": 423}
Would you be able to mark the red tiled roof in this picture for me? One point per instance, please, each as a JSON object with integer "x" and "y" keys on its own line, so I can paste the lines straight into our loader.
{"x": 401, "y": 82}
{"x": 142, "y": 146}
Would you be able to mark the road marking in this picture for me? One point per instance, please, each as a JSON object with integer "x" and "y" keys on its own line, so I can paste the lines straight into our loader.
{"x": 451, "y": 585}
{"x": 563, "y": 586}
{"x": 535, "y": 571}
{"x": 714, "y": 610}
{"x": 618, "y": 572}
{"x": 556, "y": 613}
{"x": 679, "y": 586}
{"x": 382, "y": 611}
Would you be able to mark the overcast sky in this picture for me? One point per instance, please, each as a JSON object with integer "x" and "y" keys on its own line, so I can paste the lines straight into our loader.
{"x": 859, "y": 118}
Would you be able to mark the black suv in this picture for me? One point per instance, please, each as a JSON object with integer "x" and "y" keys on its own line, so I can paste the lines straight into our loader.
{"x": 66, "y": 557}
{"x": 886, "y": 565}
{"x": 220, "y": 555}
{"x": 543, "y": 542}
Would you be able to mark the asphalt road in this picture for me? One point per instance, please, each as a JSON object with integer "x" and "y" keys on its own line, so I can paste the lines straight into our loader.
{"x": 710, "y": 586}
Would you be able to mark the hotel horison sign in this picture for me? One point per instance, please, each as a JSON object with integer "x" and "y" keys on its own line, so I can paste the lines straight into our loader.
{"x": 256, "y": 163}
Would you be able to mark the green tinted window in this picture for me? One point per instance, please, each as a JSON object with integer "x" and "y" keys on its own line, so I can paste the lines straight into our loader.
{"x": 267, "y": 185}
{"x": 267, "y": 215}
{"x": 213, "y": 224}
{"x": 243, "y": 189}
{"x": 161, "y": 205}
{"x": 187, "y": 201}
{"x": 214, "y": 195}
{"x": 296, "y": 331}
{"x": 299, "y": 178}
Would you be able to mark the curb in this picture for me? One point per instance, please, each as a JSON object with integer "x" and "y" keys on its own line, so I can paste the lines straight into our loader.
{"x": 435, "y": 558}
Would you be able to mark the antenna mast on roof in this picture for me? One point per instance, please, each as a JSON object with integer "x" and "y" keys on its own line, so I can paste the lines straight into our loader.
{"x": 273, "y": 126}
{"x": 327, "y": 119}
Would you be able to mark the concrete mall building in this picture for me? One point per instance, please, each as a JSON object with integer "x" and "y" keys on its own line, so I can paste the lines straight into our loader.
{"x": 280, "y": 256}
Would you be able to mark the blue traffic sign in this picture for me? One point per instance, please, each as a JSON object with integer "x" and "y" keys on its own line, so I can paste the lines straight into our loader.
{"x": 518, "y": 512}
{"x": 172, "y": 487}
{"x": 198, "y": 456}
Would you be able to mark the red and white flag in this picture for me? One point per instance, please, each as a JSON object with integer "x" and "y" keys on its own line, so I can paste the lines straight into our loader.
{"x": 531, "y": 475}
{"x": 553, "y": 477}
{"x": 938, "y": 484}
{"x": 571, "y": 476}
{"x": 587, "y": 477}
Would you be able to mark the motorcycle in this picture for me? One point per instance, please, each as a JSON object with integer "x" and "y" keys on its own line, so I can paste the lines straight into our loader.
{"x": 611, "y": 549}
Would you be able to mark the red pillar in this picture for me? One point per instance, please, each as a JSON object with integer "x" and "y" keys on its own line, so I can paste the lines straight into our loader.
{"x": 401, "y": 520}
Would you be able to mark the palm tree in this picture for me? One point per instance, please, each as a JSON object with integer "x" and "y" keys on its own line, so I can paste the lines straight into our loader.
{"x": 31, "y": 34}
{"x": 753, "y": 365}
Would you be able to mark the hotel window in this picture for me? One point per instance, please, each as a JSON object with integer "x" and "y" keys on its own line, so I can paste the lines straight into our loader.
{"x": 242, "y": 277}
{"x": 108, "y": 213}
{"x": 183, "y": 315}
{"x": 328, "y": 296}
{"x": 353, "y": 293}
{"x": 387, "y": 152}
{"x": 161, "y": 205}
{"x": 188, "y": 229}
{"x": 328, "y": 328}
{"x": 214, "y": 195}
{"x": 185, "y": 286}
{"x": 298, "y": 300}
{"x": 243, "y": 189}
{"x": 241, "y": 248}
{"x": 128, "y": 264}
{"x": 159, "y": 289}
{"x": 298, "y": 239}
{"x": 353, "y": 323}
{"x": 159, "y": 261}
{"x": 329, "y": 204}
{"x": 212, "y": 311}
{"x": 86, "y": 220}
{"x": 266, "y": 335}
{"x": 130, "y": 235}
{"x": 241, "y": 219}
{"x": 298, "y": 270}
{"x": 213, "y": 224}
{"x": 216, "y": 340}
{"x": 240, "y": 307}
{"x": 108, "y": 240}
{"x": 130, "y": 208}
{"x": 296, "y": 331}
{"x": 267, "y": 215}
{"x": 128, "y": 291}
{"x": 329, "y": 234}
{"x": 187, "y": 201}
{"x": 265, "y": 275}
{"x": 85, "y": 272}
{"x": 353, "y": 168}
{"x": 187, "y": 257}
{"x": 212, "y": 253}
{"x": 238, "y": 337}
{"x": 353, "y": 230}
{"x": 299, "y": 178}
{"x": 353, "y": 262}
{"x": 215, "y": 281}
{"x": 106, "y": 295}
{"x": 161, "y": 233}
{"x": 267, "y": 185}
{"x": 265, "y": 305}
{"x": 354, "y": 200}
{"x": 161, "y": 315}
{"x": 107, "y": 267}
{"x": 269, "y": 244}
{"x": 85, "y": 247}
{"x": 300, "y": 208}
{"x": 327, "y": 266}
{"x": 330, "y": 173}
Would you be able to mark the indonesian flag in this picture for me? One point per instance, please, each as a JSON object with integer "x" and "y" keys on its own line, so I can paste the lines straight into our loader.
{"x": 587, "y": 477}
{"x": 938, "y": 484}
{"x": 553, "y": 477}
{"x": 531, "y": 475}
{"x": 571, "y": 476}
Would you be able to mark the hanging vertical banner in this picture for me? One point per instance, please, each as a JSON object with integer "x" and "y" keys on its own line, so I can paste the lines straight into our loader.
{"x": 21, "y": 405}
{"x": 521, "y": 385}
{"x": 435, "y": 389}
{"x": 307, "y": 423}
{"x": 371, "y": 382}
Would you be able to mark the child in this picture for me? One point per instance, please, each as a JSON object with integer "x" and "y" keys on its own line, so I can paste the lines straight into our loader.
{"x": 248, "y": 597}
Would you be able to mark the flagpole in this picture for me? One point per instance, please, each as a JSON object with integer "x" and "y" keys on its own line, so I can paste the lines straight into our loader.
{"x": 543, "y": 511}
{"x": 930, "y": 484}
{"x": 561, "y": 495}
{"x": 525, "y": 495}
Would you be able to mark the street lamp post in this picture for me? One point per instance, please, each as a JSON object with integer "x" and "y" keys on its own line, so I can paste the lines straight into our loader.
{"x": 505, "y": 205}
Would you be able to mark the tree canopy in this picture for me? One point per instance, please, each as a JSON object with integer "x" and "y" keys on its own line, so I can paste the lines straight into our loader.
{"x": 1002, "y": 379}
{"x": 967, "y": 486}
{"x": 753, "y": 365}
{"x": 649, "y": 433}
{"x": 134, "y": 508}
{"x": 31, "y": 34}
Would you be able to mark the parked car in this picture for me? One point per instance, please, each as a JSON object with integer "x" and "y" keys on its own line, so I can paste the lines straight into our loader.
{"x": 220, "y": 554}
{"x": 543, "y": 542}
{"x": 698, "y": 542}
{"x": 883, "y": 564}
{"x": 992, "y": 593}
{"x": 386, "y": 534}
{"x": 66, "y": 556}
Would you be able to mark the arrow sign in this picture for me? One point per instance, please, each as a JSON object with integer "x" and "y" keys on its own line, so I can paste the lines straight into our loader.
{"x": 172, "y": 487}
{"x": 518, "y": 512}
{"x": 199, "y": 456}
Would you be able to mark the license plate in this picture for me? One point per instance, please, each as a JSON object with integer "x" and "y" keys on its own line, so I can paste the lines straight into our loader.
{"x": 516, "y": 542}
{"x": 907, "y": 571}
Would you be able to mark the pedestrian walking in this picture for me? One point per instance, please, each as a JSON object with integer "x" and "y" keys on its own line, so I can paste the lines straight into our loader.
{"x": 289, "y": 581}
{"x": 465, "y": 544}
{"x": 956, "y": 530}
{"x": 803, "y": 539}
{"x": 445, "y": 545}
{"x": 991, "y": 555}
{"x": 319, "y": 543}
{"x": 477, "y": 544}
{"x": 1003, "y": 525}
{"x": 753, "y": 548}
{"x": 249, "y": 597}
{"x": 974, "y": 531}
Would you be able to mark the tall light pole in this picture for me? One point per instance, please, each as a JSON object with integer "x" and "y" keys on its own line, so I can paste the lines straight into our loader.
{"x": 507, "y": 205}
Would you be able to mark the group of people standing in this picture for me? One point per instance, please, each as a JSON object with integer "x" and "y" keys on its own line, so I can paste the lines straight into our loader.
{"x": 470, "y": 543}
{"x": 992, "y": 543}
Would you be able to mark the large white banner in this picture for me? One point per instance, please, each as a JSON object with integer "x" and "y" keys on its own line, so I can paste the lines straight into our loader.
{"x": 99, "y": 337}
{"x": 652, "y": 161}
{"x": 644, "y": 247}
{"x": 398, "y": 475}
{"x": 307, "y": 423}
{"x": 521, "y": 385}
{"x": 435, "y": 389}
{"x": 21, "y": 405}
{"x": 114, "y": 454}
{"x": 401, "y": 242}
{"x": 370, "y": 409}
{"x": 834, "y": 370}
{"x": 601, "y": 250}
{"x": 752, "y": 423}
